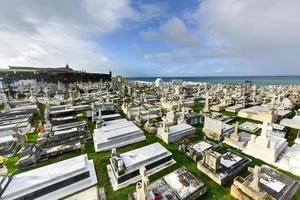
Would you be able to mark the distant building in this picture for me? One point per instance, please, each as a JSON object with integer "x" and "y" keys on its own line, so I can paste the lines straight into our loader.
{"x": 50, "y": 75}
{"x": 177, "y": 82}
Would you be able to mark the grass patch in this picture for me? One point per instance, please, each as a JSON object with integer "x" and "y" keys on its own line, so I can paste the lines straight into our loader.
{"x": 197, "y": 107}
{"x": 32, "y": 137}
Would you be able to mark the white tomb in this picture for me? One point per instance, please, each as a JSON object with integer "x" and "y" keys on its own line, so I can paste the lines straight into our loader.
{"x": 292, "y": 123}
{"x": 53, "y": 181}
{"x": 216, "y": 129}
{"x": 291, "y": 161}
{"x": 235, "y": 108}
{"x": 175, "y": 133}
{"x": 261, "y": 113}
{"x": 116, "y": 133}
{"x": 249, "y": 127}
{"x": 266, "y": 147}
{"x": 124, "y": 168}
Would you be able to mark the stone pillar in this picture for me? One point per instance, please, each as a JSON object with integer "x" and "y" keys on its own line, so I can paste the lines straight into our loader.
{"x": 165, "y": 127}
{"x": 206, "y": 105}
{"x": 142, "y": 187}
{"x": 94, "y": 115}
{"x": 46, "y": 95}
{"x": 236, "y": 128}
{"x": 99, "y": 119}
{"x": 256, "y": 171}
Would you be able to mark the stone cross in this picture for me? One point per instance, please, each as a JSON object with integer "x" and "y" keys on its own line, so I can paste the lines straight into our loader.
{"x": 99, "y": 119}
{"x": 165, "y": 127}
{"x": 142, "y": 187}
{"x": 256, "y": 171}
{"x": 264, "y": 129}
{"x": 206, "y": 105}
{"x": 236, "y": 128}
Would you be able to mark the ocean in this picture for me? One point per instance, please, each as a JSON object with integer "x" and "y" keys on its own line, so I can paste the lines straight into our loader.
{"x": 256, "y": 80}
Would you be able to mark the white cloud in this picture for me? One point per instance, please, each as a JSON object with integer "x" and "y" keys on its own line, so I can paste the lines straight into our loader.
{"x": 50, "y": 48}
{"x": 246, "y": 37}
{"x": 174, "y": 31}
{"x": 55, "y": 32}
{"x": 263, "y": 35}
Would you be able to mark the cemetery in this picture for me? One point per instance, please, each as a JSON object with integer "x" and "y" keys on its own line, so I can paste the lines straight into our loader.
{"x": 136, "y": 140}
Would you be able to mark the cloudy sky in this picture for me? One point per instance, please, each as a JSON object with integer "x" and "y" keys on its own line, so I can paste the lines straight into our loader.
{"x": 154, "y": 38}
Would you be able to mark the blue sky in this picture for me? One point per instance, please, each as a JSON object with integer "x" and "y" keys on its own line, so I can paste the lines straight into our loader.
{"x": 154, "y": 38}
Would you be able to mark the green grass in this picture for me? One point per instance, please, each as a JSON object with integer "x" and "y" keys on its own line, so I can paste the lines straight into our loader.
{"x": 198, "y": 107}
{"x": 32, "y": 137}
{"x": 40, "y": 115}
{"x": 150, "y": 92}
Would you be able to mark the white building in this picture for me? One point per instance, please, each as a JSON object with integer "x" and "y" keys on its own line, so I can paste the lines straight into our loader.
{"x": 159, "y": 82}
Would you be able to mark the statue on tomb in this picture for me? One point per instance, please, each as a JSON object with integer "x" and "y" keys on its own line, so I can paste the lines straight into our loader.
{"x": 142, "y": 187}
{"x": 199, "y": 90}
{"x": 236, "y": 135}
{"x": 17, "y": 134}
{"x": 6, "y": 106}
{"x": 164, "y": 125}
{"x": 148, "y": 123}
{"x": 99, "y": 119}
{"x": 180, "y": 102}
{"x": 46, "y": 95}
{"x": 181, "y": 118}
